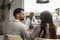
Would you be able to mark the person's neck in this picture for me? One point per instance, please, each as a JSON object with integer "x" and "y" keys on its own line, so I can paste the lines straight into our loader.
{"x": 17, "y": 19}
{"x": 30, "y": 18}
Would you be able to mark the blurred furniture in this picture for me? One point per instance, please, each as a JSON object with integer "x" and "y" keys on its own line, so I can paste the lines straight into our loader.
{"x": 1, "y": 37}
{"x": 57, "y": 23}
{"x": 58, "y": 32}
{"x": 14, "y": 37}
{"x": 45, "y": 39}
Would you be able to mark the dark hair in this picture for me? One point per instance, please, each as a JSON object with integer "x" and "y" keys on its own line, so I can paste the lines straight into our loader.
{"x": 31, "y": 13}
{"x": 16, "y": 11}
{"x": 46, "y": 17}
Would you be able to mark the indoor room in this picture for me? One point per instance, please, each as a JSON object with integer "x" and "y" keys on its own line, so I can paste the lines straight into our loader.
{"x": 29, "y": 19}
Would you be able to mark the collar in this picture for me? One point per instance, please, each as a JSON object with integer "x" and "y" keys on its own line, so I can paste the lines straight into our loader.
{"x": 17, "y": 20}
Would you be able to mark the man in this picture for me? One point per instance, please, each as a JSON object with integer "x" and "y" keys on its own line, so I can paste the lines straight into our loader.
{"x": 31, "y": 21}
{"x": 16, "y": 27}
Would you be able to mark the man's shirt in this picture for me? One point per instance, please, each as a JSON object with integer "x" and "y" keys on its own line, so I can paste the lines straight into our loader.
{"x": 16, "y": 27}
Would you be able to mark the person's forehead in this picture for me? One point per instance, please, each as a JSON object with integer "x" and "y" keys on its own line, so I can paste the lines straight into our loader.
{"x": 22, "y": 11}
{"x": 31, "y": 14}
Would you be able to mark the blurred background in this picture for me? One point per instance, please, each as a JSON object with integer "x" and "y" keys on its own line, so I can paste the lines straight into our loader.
{"x": 7, "y": 7}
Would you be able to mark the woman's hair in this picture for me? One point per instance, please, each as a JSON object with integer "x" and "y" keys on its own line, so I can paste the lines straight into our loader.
{"x": 46, "y": 17}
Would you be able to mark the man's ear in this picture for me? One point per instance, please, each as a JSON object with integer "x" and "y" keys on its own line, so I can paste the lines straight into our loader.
{"x": 17, "y": 15}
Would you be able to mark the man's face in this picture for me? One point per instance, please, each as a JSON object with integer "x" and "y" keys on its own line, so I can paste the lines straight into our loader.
{"x": 31, "y": 15}
{"x": 21, "y": 15}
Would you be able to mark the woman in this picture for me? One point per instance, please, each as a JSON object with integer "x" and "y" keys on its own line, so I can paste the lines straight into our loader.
{"x": 47, "y": 27}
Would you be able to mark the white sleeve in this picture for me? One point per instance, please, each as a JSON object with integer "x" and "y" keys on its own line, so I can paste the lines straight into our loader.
{"x": 35, "y": 20}
{"x": 24, "y": 27}
{"x": 21, "y": 25}
{"x": 27, "y": 23}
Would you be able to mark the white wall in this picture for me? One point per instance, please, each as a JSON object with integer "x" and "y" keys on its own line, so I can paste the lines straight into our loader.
{"x": 31, "y": 5}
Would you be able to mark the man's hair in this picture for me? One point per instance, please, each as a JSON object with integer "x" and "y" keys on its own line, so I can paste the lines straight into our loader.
{"x": 31, "y": 13}
{"x": 17, "y": 10}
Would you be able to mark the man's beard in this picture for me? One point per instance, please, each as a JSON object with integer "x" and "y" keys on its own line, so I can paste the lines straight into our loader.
{"x": 21, "y": 19}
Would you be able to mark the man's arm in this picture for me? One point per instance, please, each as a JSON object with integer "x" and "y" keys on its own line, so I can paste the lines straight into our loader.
{"x": 25, "y": 35}
{"x": 35, "y": 32}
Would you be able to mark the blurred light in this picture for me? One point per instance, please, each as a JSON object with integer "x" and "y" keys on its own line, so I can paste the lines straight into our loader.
{"x": 42, "y": 1}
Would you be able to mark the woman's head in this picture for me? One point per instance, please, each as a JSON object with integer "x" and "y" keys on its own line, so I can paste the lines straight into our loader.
{"x": 46, "y": 17}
